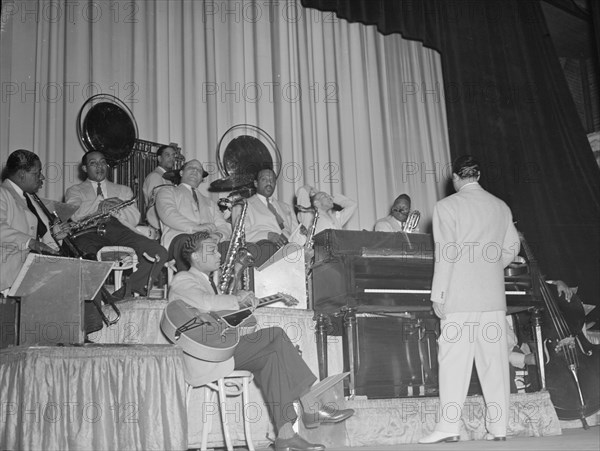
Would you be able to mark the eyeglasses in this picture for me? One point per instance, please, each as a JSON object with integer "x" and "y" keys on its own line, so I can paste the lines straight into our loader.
{"x": 400, "y": 210}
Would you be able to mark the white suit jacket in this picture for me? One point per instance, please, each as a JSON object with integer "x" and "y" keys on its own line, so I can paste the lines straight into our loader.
{"x": 17, "y": 226}
{"x": 388, "y": 224}
{"x": 154, "y": 179}
{"x": 179, "y": 213}
{"x": 84, "y": 196}
{"x": 475, "y": 240}
{"x": 260, "y": 221}
{"x": 194, "y": 288}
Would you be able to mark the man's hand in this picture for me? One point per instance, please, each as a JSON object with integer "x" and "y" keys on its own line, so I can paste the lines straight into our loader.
{"x": 42, "y": 248}
{"x": 440, "y": 310}
{"x": 207, "y": 227}
{"x": 563, "y": 289}
{"x": 60, "y": 231}
{"x": 529, "y": 359}
{"x": 280, "y": 240}
{"x": 247, "y": 299}
{"x": 108, "y": 204}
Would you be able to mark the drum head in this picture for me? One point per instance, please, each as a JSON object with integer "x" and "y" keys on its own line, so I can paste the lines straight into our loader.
{"x": 108, "y": 126}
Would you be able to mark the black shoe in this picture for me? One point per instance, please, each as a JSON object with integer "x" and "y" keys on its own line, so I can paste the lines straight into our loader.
{"x": 325, "y": 415}
{"x": 296, "y": 443}
{"x": 121, "y": 293}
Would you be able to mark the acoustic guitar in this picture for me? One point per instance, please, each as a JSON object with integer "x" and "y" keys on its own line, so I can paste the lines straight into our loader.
{"x": 212, "y": 336}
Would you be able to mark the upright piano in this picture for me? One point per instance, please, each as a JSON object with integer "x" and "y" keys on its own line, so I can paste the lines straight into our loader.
{"x": 373, "y": 289}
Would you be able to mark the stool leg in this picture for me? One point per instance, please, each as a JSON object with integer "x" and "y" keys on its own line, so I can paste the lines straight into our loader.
{"x": 206, "y": 427}
{"x": 222, "y": 400}
{"x": 245, "y": 398}
{"x": 117, "y": 274}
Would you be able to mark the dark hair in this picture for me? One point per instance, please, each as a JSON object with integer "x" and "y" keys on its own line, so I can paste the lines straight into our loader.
{"x": 162, "y": 148}
{"x": 19, "y": 159}
{"x": 85, "y": 155}
{"x": 403, "y": 196}
{"x": 466, "y": 166}
{"x": 192, "y": 244}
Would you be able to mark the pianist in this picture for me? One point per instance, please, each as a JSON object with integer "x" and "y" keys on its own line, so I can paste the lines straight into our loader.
{"x": 394, "y": 222}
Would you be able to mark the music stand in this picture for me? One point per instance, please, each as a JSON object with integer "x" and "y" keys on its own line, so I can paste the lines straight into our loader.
{"x": 52, "y": 291}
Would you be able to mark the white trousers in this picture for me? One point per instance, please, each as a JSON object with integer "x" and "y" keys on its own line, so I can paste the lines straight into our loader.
{"x": 464, "y": 337}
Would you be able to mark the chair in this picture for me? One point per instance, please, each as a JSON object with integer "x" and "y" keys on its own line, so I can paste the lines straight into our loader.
{"x": 123, "y": 258}
{"x": 233, "y": 385}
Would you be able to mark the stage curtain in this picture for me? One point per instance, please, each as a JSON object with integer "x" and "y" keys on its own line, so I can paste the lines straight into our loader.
{"x": 508, "y": 103}
{"x": 352, "y": 111}
{"x": 93, "y": 397}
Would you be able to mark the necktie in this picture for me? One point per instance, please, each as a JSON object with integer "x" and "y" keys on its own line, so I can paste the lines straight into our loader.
{"x": 195, "y": 196}
{"x": 212, "y": 283}
{"x": 41, "y": 227}
{"x": 99, "y": 190}
{"x": 274, "y": 211}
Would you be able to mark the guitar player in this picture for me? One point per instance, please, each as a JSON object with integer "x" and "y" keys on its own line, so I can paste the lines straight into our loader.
{"x": 279, "y": 371}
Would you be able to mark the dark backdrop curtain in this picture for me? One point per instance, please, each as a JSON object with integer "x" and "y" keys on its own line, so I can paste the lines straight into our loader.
{"x": 508, "y": 104}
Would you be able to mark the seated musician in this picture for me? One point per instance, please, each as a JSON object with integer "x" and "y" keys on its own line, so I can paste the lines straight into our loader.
{"x": 165, "y": 155}
{"x": 329, "y": 216}
{"x": 396, "y": 220}
{"x": 280, "y": 372}
{"x": 269, "y": 222}
{"x": 23, "y": 225}
{"x": 183, "y": 210}
{"x": 98, "y": 196}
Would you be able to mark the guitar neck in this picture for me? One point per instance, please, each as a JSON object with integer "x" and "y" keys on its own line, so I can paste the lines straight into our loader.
{"x": 267, "y": 300}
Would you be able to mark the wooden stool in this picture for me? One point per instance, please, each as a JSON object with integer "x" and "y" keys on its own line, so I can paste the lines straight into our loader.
{"x": 233, "y": 385}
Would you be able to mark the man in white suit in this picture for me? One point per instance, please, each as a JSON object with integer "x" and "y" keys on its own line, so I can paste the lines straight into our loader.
{"x": 165, "y": 156}
{"x": 22, "y": 229}
{"x": 184, "y": 210}
{"x": 269, "y": 222}
{"x": 394, "y": 222}
{"x": 475, "y": 240}
{"x": 98, "y": 195}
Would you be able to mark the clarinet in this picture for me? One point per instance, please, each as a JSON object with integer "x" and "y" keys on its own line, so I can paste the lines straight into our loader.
{"x": 74, "y": 251}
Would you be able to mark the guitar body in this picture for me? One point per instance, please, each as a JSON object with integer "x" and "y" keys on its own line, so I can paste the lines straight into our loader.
{"x": 214, "y": 341}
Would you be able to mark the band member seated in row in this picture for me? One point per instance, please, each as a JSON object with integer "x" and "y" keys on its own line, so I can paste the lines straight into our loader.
{"x": 23, "y": 226}
{"x": 329, "y": 217}
{"x": 165, "y": 155}
{"x": 269, "y": 222}
{"x": 396, "y": 220}
{"x": 279, "y": 371}
{"x": 183, "y": 210}
{"x": 97, "y": 196}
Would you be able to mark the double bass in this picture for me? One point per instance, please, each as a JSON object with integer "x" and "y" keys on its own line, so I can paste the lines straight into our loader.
{"x": 570, "y": 361}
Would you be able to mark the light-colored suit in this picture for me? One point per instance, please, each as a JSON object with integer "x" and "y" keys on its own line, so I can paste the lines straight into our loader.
{"x": 179, "y": 213}
{"x": 18, "y": 225}
{"x": 475, "y": 239}
{"x": 388, "y": 224}
{"x": 154, "y": 179}
{"x": 260, "y": 220}
{"x": 84, "y": 196}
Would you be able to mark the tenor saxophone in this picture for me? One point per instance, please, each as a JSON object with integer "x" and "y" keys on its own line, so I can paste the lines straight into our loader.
{"x": 97, "y": 221}
{"x": 236, "y": 253}
{"x": 313, "y": 225}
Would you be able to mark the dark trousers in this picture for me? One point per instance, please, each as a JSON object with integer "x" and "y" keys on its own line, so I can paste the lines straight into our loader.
{"x": 116, "y": 234}
{"x": 279, "y": 371}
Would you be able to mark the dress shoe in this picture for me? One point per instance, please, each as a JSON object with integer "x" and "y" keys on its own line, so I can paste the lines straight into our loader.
{"x": 438, "y": 437}
{"x": 120, "y": 293}
{"x": 326, "y": 414}
{"x": 494, "y": 438}
{"x": 296, "y": 443}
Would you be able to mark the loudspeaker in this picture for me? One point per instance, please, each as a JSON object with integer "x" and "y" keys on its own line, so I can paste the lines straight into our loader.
{"x": 52, "y": 291}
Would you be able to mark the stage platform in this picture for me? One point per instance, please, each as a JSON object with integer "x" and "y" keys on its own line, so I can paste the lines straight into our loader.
{"x": 132, "y": 364}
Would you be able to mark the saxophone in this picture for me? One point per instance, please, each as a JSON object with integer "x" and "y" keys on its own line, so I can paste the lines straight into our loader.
{"x": 313, "y": 225}
{"x": 236, "y": 254}
{"x": 96, "y": 222}
{"x": 412, "y": 221}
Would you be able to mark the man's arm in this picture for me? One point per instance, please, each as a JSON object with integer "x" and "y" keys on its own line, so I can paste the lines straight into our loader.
{"x": 348, "y": 205}
{"x": 87, "y": 205}
{"x": 382, "y": 226}
{"x": 512, "y": 243}
{"x": 443, "y": 234}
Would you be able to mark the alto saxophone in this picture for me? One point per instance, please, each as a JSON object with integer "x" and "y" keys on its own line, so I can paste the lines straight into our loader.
{"x": 97, "y": 221}
{"x": 412, "y": 221}
{"x": 236, "y": 254}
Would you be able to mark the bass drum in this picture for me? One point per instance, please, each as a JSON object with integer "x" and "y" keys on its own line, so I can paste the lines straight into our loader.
{"x": 242, "y": 152}
{"x": 106, "y": 124}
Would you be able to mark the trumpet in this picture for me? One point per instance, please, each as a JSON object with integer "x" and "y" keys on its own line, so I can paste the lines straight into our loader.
{"x": 412, "y": 221}
{"x": 98, "y": 220}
